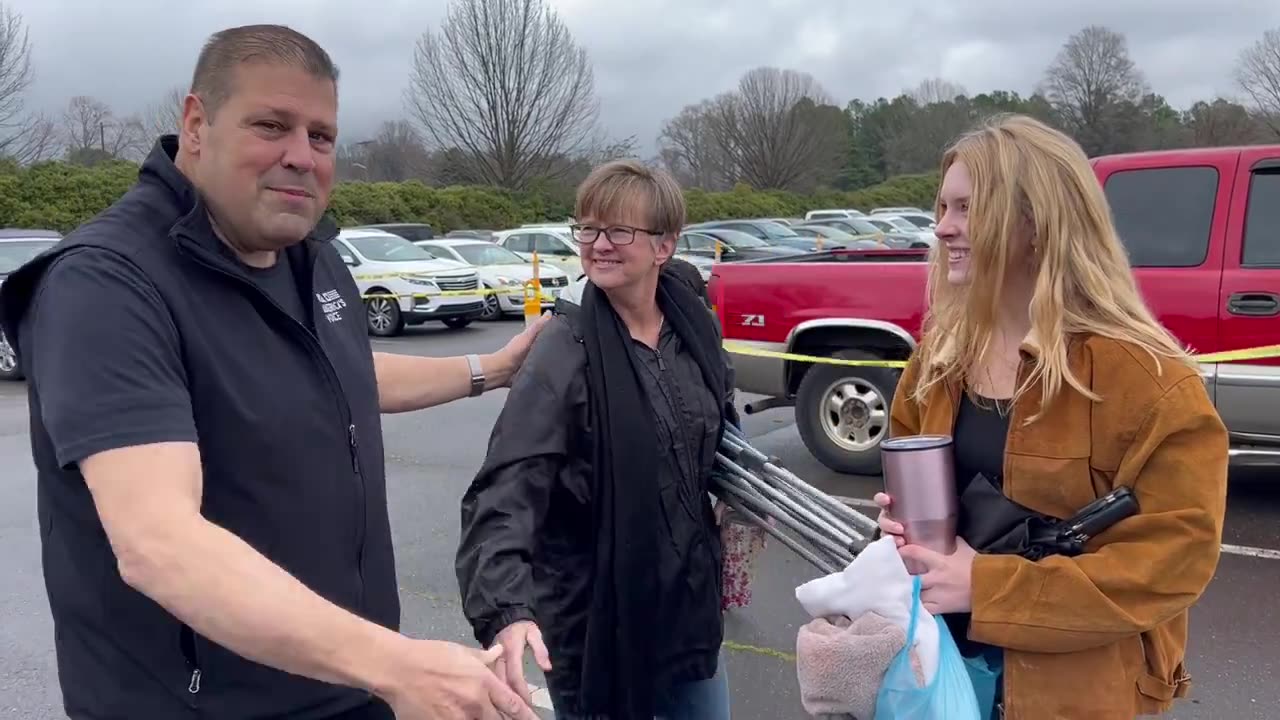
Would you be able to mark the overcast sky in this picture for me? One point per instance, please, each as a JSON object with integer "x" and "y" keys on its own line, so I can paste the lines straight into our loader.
{"x": 651, "y": 58}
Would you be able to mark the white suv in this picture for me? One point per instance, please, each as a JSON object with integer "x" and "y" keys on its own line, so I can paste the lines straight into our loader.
{"x": 405, "y": 285}
{"x": 553, "y": 243}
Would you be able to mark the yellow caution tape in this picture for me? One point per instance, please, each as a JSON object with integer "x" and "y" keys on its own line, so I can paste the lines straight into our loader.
{"x": 453, "y": 293}
{"x": 738, "y": 349}
{"x": 1258, "y": 353}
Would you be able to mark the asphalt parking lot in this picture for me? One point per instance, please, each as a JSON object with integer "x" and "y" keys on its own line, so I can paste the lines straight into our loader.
{"x": 432, "y": 455}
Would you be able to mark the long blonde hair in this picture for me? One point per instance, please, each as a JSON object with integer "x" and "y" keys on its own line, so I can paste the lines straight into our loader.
{"x": 1026, "y": 174}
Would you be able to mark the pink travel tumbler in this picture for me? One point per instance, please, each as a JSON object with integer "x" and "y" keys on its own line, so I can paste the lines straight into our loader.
{"x": 919, "y": 478}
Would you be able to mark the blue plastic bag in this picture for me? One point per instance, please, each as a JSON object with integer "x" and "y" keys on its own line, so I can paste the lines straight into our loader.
{"x": 948, "y": 696}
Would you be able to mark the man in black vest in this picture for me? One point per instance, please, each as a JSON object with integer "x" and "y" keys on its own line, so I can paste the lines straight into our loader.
{"x": 205, "y": 424}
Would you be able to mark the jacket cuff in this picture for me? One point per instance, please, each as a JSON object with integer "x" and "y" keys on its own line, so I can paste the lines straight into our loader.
{"x": 992, "y": 607}
{"x": 488, "y": 631}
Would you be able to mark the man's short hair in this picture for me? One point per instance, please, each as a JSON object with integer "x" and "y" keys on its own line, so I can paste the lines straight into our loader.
{"x": 615, "y": 188}
{"x": 228, "y": 49}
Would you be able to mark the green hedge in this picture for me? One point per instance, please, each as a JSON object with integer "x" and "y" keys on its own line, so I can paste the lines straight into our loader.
{"x": 60, "y": 196}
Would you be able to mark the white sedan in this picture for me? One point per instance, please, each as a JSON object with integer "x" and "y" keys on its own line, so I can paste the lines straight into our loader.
{"x": 501, "y": 270}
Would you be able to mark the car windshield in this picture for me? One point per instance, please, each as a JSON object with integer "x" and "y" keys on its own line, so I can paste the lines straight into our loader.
{"x": 739, "y": 239}
{"x": 487, "y": 254}
{"x": 14, "y": 253}
{"x": 881, "y": 225}
{"x": 919, "y": 221}
{"x": 388, "y": 248}
{"x": 776, "y": 230}
{"x": 900, "y": 224}
{"x": 826, "y": 231}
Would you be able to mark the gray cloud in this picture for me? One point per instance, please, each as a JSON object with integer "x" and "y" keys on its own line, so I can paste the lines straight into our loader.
{"x": 652, "y": 58}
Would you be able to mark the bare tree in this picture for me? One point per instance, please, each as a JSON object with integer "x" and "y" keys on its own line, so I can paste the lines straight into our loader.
{"x": 92, "y": 132}
{"x": 394, "y": 154}
{"x": 937, "y": 90}
{"x": 1222, "y": 122}
{"x": 23, "y": 138}
{"x": 689, "y": 148}
{"x": 504, "y": 82}
{"x": 1094, "y": 88}
{"x": 165, "y": 116}
{"x": 1258, "y": 74}
{"x": 775, "y": 132}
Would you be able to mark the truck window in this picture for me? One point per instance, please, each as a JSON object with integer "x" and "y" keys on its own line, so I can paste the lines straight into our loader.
{"x": 1164, "y": 215}
{"x": 1262, "y": 220}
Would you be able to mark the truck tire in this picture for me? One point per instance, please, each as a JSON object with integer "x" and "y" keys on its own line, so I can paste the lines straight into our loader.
{"x": 842, "y": 413}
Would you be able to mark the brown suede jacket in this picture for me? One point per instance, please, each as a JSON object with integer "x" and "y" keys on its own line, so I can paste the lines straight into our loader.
{"x": 1101, "y": 636}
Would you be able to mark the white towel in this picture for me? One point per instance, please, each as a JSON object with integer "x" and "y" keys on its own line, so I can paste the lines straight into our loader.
{"x": 876, "y": 581}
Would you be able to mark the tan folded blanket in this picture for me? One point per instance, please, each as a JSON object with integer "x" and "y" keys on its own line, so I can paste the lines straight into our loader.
{"x": 841, "y": 664}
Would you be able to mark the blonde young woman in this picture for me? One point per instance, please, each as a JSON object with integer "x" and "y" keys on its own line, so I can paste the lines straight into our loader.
{"x": 1057, "y": 383}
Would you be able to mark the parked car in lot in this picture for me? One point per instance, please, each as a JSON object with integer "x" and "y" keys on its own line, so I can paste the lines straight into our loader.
{"x": 409, "y": 231}
{"x": 1202, "y": 228}
{"x": 735, "y": 246}
{"x": 17, "y": 246}
{"x": 834, "y": 238}
{"x": 896, "y": 210}
{"x": 402, "y": 284}
{"x": 834, "y": 213}
{"x": 767, "y": 230}
{"x": 906, "y": 228}
{"x": 554, "y": 244}
{"x": 500, "y": 270}
{"x": 864, "y": 228}
{"x": 473, "y": 233}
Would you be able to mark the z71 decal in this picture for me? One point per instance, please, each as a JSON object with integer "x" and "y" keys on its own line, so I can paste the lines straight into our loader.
{"x": 753, "y": 321}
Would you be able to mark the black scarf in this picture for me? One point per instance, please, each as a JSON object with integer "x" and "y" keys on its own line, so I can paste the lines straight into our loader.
{"x": 618, "y": 660}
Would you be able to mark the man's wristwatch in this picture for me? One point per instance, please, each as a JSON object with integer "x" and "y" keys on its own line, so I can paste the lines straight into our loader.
{"x": 477, "y": 375}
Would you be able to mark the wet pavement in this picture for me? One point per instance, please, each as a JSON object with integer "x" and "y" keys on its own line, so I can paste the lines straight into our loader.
{"x": 431, "y": 457}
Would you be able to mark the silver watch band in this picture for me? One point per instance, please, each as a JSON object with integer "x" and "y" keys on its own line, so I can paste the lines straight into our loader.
{"x": 477, "y": 375}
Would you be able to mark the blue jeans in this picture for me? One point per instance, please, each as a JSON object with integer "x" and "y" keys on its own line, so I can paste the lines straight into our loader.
{"x": 701, "y": 700}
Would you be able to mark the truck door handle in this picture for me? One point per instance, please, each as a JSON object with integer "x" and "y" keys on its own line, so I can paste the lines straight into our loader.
{"x": 1257, "y": 304}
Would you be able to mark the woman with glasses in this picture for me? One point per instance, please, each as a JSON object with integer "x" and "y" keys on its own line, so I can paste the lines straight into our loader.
{"x": 589, "y": 535}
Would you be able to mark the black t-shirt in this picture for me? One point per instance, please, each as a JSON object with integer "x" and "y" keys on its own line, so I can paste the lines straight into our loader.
{"x": 106, "y": 336}
{"x": 279, "y": 282}
{"x": 106, "y": 357}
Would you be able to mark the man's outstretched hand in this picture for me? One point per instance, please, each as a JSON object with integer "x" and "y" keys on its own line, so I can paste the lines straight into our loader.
{"x": 447, "y": 681}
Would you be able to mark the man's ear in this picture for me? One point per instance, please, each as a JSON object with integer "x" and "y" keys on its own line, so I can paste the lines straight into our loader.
{"x": 194, "y": 118}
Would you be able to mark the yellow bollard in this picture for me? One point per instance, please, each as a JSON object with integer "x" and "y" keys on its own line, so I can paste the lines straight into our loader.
{"x": 533, "y": 295}
{"x": 717, "y": 250}
{"x": 818, "y": 244}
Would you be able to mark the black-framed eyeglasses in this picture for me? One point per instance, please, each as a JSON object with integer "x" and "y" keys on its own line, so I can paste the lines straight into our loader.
{"x": 617, "y": 234}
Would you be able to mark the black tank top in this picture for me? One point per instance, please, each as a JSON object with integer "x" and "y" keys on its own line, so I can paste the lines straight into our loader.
{"x": 980, "y": 432}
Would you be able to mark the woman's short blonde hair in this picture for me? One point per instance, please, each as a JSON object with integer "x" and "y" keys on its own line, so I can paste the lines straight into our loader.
{"x": 628, "y": 190}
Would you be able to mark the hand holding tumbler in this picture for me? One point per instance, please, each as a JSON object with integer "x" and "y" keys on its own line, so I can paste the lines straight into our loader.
{"x": 919, "y": 477}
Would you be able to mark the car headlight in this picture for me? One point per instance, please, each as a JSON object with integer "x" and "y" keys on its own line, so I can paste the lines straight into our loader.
{"x": 423, "y": 283}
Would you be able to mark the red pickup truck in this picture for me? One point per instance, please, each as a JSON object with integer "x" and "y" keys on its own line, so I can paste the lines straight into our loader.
{"x": 1202, "y": 228}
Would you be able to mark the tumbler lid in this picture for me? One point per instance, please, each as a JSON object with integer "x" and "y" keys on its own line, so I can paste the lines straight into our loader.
{"x": 915, "y": 442}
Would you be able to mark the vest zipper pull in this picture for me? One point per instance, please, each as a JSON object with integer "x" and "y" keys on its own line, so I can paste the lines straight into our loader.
{"x": 661, "y": 365}
{"x": 355, "y": 462}
{"x": 194, "y": 687}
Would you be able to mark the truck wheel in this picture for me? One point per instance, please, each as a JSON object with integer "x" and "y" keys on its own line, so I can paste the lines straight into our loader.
{"x": 842, "y": 413}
